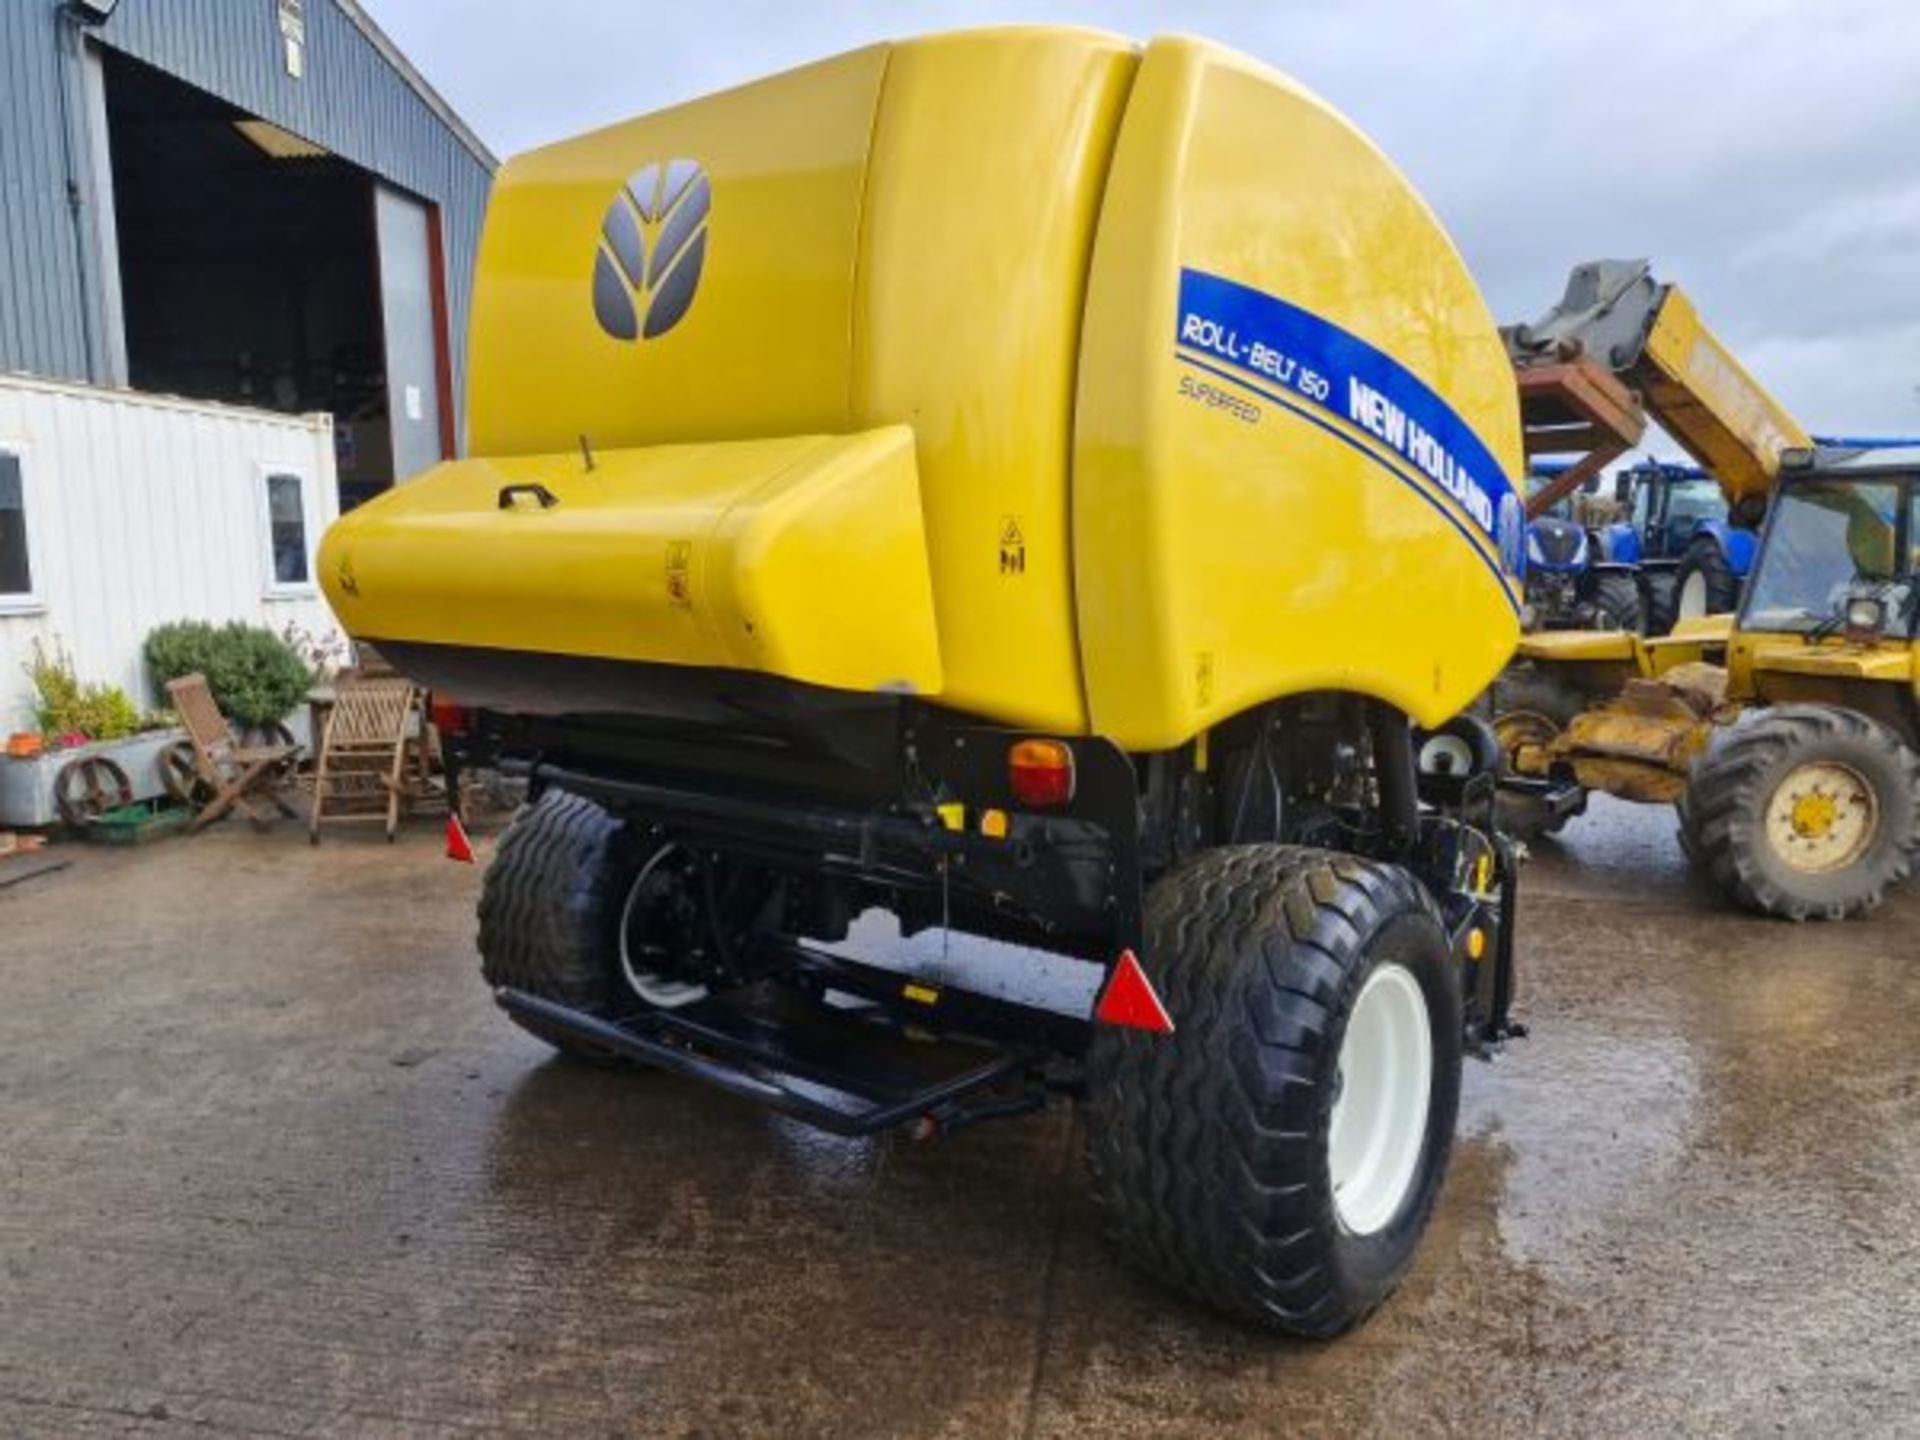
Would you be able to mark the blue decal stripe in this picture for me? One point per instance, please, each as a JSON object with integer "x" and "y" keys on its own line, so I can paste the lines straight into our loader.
{"x": 1421, "y": 487}
{"x": 1278, "y": 343}
{"x": 1361, "y": 440}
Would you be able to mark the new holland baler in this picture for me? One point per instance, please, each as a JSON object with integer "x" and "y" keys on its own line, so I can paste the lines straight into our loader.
{"x": 1053, "y": 491}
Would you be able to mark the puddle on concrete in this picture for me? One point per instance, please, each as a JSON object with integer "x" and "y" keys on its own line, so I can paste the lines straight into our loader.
{"x": 1590, "y": 1122}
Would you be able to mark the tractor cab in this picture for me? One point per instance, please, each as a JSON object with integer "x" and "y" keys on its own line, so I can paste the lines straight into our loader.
{"x": 1839, "y": 558}
{"x": 1667, "y": 505}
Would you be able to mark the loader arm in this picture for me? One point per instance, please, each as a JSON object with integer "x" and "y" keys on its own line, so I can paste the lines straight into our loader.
{"x": 1616, "y": 322}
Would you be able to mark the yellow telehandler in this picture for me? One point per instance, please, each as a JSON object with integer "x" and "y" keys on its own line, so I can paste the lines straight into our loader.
{"x": 1785, "y": 732}
{"x": 1043, "y": 489}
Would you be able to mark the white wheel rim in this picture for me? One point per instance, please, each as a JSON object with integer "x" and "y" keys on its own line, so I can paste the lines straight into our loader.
{"x": 650, "y": 985}
{"x": 1446, "y": 755}
{"x": 1379, "y": 1124}
{"x": 1693, "y": 597}
{"x": 1822, "y": 817}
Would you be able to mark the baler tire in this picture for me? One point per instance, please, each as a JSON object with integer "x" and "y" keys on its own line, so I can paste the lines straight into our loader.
{"x": 1210, "y": 1149}
{"x": 1719, "y": 586}
{"x": 1724, "y": 815}
{"x": 550, "y": 910}
{"x": 1616, "y": 597}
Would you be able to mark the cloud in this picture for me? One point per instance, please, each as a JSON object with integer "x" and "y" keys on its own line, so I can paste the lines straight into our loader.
{"x": 1758, "y": 151}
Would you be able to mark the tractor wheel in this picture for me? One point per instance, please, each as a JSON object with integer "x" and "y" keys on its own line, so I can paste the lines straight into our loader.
{"x": 1524, "y": 816}
{"x": 1705, "y": 584}
{"x": 1615, "y": 598}
{"x": 1525, "y": 686}
{"x": 1809, "y": 812}
{"x": 585, "y": 910}
{"x": 1659, "y": 600}
{"x": 1529, "y": 704}
{"x": 1683, "y": 813}
{"x": 1278, "y": 1156}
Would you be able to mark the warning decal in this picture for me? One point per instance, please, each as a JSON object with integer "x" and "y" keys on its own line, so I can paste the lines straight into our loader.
{"x": 1013, "y": 546}
{"x": 679, "y": 561}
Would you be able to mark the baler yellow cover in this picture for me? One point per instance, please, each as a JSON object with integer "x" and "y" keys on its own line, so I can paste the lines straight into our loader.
{"x": 1192, "y": 403}
{"x": 748, "y": 554}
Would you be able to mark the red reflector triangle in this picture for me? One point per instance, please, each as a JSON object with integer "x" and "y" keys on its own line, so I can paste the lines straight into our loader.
{"x": 459, "y": 847}
{"x": 1129, "y": 999}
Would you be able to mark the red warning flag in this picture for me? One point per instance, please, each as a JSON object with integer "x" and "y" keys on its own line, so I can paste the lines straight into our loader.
{"x": 459, "y": 847}
{"x": 1129, "y": 999}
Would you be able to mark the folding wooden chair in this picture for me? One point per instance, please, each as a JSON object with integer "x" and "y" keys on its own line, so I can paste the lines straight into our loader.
{"x": 237, "y": 774}
{"x": 362, "y": 774}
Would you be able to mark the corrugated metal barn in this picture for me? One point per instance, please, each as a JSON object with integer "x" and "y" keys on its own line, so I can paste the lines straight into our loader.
{"x": 258, "y": 202}
{"x": 255, "y": 206}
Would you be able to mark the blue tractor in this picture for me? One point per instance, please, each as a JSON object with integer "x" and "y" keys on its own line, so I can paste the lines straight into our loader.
{"x": 1678, "y": 553}
{"x": 1675, "y": 553}
{"x": 1689, "y": 555}
{"x": 1571, "y": 583}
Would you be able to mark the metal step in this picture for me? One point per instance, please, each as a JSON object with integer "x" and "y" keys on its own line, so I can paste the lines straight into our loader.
{"x": 849, "y": 1071}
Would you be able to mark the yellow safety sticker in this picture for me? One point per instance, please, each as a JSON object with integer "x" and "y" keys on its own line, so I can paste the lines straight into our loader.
{"x": 921, "y": 994}
{"x": 1013, "y": 547}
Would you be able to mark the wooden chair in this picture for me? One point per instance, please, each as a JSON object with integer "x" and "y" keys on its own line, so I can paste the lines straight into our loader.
{"x": 368, "y": 754}
{"x": 237, "y": 774}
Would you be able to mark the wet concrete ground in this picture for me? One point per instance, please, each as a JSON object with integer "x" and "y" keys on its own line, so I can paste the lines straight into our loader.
{"x": 270, "y": 1162}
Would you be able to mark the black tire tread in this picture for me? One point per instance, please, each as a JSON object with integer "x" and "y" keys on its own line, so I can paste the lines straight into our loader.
{"x": 1202, "y": 1150}
{"x": 1723, "y": 586}
{"x": 1660, "y": 601}
{"x": 549, "y": 905}
{"x": 1617, "y": 596}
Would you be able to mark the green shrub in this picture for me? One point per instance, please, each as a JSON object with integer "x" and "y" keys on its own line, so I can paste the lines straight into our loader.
{"x": 65, "y": 706}
{"x": 254, "y": 675}
{"x": 183, "y": 648}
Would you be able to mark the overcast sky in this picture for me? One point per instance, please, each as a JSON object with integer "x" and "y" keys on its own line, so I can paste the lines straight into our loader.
{"x": 1765, "y": 155}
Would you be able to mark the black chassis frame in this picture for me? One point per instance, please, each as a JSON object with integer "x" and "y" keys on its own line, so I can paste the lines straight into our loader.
{"x": 867, "y": 803}
{"x": 859, "y": 795}
{"x": 876, "y": 799}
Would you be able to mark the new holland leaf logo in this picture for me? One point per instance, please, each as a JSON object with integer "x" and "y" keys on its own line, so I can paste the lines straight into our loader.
{"x": 652, "y": 244}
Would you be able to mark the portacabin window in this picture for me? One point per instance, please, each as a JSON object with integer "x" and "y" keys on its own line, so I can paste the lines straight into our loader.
{"x": 289, "y": 558}
{"x": 16, "y": 562}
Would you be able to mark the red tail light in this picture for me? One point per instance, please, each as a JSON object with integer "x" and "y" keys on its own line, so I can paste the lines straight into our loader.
{"x": 1040, "y": 772}
{"x": 449, "y": 716}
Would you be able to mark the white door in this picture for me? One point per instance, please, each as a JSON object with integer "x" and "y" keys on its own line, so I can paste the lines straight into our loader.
{"x": 412, "y": 335}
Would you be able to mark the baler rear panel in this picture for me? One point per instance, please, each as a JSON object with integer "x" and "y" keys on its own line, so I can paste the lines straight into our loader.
{"x": 1242, "y": 530}
{"x": 1119, "y": 298}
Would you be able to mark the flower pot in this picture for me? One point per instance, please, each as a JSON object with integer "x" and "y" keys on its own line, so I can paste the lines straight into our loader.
{"x": 26, "y": 785}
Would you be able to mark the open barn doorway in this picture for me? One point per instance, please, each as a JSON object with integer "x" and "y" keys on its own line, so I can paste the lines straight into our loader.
{"x": 258, "y": 269}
